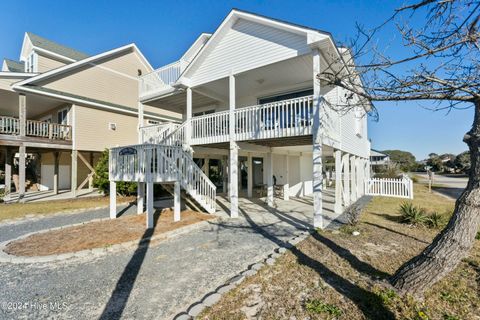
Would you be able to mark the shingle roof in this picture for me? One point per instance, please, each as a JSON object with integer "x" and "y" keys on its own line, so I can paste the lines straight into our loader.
{"x": 15, "y": 66}
{"x": 46, "y": 44}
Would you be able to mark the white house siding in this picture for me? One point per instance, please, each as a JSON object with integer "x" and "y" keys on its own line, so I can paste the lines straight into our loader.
{"x": 350, "y": 142}
{"x": 244, "y": 46}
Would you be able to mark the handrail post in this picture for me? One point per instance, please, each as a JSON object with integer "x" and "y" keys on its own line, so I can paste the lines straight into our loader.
{"x": 50, "y": 131}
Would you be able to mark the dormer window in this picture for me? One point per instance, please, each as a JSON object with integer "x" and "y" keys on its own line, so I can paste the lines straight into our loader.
{"x": 31, "y": 63}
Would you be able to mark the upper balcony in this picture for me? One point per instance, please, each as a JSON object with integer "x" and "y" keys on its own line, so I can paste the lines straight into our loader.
{"x": 35, "y": 130}
{"x": 161, "y": 80}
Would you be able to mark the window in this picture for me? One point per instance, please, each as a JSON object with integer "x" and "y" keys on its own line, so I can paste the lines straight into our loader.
{"x": 30, "y": 64}
{"x": 202, "y": 113}
{"x": 62, "y": 116}
{"x": 286, "y": 96}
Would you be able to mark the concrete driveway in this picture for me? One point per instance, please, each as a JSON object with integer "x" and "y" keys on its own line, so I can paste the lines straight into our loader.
{"x": 448, "y": 185}
{"x": 152, "y": 282}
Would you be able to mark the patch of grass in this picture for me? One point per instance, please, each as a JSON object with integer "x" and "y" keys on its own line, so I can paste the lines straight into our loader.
{"x": 387, "y": 296}
{"x": 20, "y": 210}
{"x": 317, "y": 306}
{"x": 450, "y": 317}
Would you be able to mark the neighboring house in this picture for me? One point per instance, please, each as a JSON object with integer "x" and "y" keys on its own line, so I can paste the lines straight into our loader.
{"x": 378, "y": 160}
{"x": 65, "y": 107}
{"x": 254, "y": 121}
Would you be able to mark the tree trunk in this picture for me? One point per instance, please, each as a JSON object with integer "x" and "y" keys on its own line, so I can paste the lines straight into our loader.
{"x": 454, "y": 243}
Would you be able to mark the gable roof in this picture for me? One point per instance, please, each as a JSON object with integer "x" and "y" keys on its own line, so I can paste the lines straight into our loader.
{"x": 56, "y": 48}
{"x": 377, "y": 153}
{"x": 314, "y": 36}
{"x": 86, "y": 61}
{"x": 14, "y": 66}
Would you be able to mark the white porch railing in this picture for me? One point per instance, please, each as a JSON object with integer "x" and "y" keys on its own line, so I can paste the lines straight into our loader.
{"x": 48, "y": 130}
{"x": 285, "y": 118}
{"x": 161, "y": 78}
{"x": 162, "y": 164}
{"x": 9, "y": 125}
{"x": 157, "y": 132}
{"x": 34, "y": 128}
{"x": 399, "y": 188}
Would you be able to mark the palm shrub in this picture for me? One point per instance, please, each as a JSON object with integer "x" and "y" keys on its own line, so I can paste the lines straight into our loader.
{"x": 412, "y": 214}
{"x": 435, "y": 220}
{"x": 101, "y": 181}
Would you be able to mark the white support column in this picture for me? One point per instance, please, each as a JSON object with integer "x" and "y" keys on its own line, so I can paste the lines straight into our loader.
{"x": 113, "y": 200}
{"x": 74, "y": 171}
{"x": 149, "y": 205}
{"x": 269, "y": 171}
{"x": 346, "y": 179}
{"x": 233, "y": 159}
{"x": 353, "y": 186}
{"x": 338, "y": 182}
{"x": 225, "y": 174}
{"x": 56, "y": 160}
{"x": 21, "y": 172}
{"x": 8, "y": 172}
{"x": 22, "y": 114}
{"x": 140, "y": 197}
{"x": 188, "y": 128}
{"x": 317, "y": 144}
{"x": 249, "y": 176}
{"x": 140, "y": 121}
{"x": 176, "y": 201}
{"x": 286, "y": 186}
{"x": 359, "y": 177}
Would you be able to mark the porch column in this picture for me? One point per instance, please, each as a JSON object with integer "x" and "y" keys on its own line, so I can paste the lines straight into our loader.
{"x": 269, "y": 172}
{"x": 317, "y": 144}
{"x": 113, "y": 200}
{"x": 346, "y": 179}
{"x": 140, "y": 197}
{"x": 206, "y": 166}
{"x": 338, "y": 182}
{"x": 21, "y": 172}
{"x": 176, "y": 201}
{"x": 225, "y": 174}
{"x": 140, "y": 122}
{"x": 149, "y": 205}
{"x": 249, "y": 176}
{"x": 188, "y": 128}
{"x": 74, "y": 168}
{"x": 359, "y": 177}
{"x": 286, "y": 186}
{"x": 353, "y": 180}
{"x": 56, "y": 160}
{"x": 8, "y": 172}
{"x": 22, "y": 114}
{"x": 233, "y": 160}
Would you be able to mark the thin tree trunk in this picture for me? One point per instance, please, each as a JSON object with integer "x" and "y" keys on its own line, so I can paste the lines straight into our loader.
{"x": 454, "y": 243}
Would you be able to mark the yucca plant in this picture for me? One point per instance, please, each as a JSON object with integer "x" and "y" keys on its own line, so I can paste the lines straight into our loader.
{"x": 435, "y": 220}
{"x": 412, "y": 214}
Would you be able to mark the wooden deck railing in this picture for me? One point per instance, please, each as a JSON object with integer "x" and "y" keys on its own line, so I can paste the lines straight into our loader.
{"x": 34, "y": 128}
{"x": 161, "y": 78}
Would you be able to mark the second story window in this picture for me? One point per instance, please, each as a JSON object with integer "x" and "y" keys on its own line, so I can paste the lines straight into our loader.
{"x": 31, "y": 63}
{"x": 62, "y": 116}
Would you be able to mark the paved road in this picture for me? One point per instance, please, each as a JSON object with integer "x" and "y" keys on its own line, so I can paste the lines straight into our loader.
{"x": 449, "y": 185}
{"x": 153, "y": 282}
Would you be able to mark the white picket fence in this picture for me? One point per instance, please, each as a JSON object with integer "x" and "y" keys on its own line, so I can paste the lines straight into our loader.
{"x": 399, "y": 188}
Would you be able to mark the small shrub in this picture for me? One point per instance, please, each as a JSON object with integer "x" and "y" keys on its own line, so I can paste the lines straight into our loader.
{"x": 317, "y": 306}
{"x": 477, "y": 236}
{"x": 101, "y": 181}
{"x": 412, "y": 214}
{"x": 353, "y": 214}
{"x": 435, "y": 220}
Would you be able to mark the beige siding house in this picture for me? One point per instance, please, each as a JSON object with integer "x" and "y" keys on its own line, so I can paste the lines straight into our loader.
{"x": 60, "y": 108}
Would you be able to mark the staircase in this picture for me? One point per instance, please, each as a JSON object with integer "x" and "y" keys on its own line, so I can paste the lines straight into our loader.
{"x": 164, "y": 162}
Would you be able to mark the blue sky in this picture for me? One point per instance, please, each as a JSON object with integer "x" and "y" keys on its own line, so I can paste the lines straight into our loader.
{"x": 163, "y": 30}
